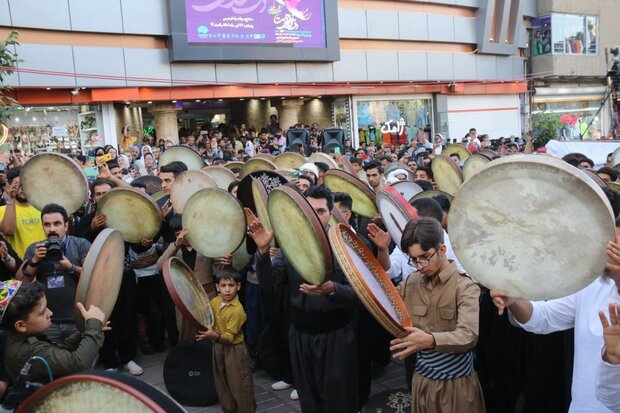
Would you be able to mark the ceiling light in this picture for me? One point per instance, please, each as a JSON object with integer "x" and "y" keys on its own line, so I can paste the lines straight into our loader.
{"x": 174, "y": 101}
{"x": 241, "y": 99}
{"x": 51, "y": 108}
{"x": 262, "y": 98}
{"x": 34, "y": 119}
{"x": 197, "y": 101}
{"x": 127, "y": 103}
{"x": 301, "y": 97}
{"x": 149, "y": 102}
{"x": 319, "y": 97}
{"x": 48, "y": 88}
{"x": 16, "y": 119}
{"x": 83, "y": 88}
{"x": 220, "y": 100}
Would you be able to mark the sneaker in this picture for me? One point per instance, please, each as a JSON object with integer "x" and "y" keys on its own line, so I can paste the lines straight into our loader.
{"x": 134, "y": 369}
{"x": 280, "y": 385}
{"x": 294, "y": 395}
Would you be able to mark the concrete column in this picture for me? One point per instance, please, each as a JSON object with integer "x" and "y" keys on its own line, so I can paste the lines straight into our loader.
{"x": 288, "y": 110}
{"x": 166, "y": 124}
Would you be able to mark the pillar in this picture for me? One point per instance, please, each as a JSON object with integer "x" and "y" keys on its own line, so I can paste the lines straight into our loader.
{"x": 288, "y": 110}
{"x": 166, "y": 124}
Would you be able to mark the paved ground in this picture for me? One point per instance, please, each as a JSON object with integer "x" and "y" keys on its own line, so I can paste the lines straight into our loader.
{"x": 393, "y": 377}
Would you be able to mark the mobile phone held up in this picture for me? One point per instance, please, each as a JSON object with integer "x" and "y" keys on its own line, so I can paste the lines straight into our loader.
{"x": 104, "y": 158}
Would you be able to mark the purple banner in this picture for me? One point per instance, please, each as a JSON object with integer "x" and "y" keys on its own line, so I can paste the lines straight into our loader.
{"x": 300, "y": 23}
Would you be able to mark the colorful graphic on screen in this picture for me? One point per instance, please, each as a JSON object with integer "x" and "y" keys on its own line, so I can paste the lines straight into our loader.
{"x": 297, "y": 23}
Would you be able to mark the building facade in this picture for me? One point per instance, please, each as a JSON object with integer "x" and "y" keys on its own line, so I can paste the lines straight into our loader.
{"x": 88, "y": 69}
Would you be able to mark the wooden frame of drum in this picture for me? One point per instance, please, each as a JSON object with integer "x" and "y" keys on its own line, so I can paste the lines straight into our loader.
{"x": 447, "y": 174}
{"x": 370, "y": 282}
{"x": 188, "y": 295}
{"x": 363, "y": 197}
{"x": 184, "y": 154}
{"x": 395, "y": 212}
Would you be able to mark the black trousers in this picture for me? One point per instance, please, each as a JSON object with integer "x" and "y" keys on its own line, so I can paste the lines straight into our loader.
{"x": 169, "y": 312}
{"x": 150, "y": 304}
{"x": 121, "y": 343}
{"x": 325, "y": 370}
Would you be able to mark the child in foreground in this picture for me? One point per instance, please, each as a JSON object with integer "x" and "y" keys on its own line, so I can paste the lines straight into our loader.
{"x": 24, "y": 313}
{"x": 231, "y": 362}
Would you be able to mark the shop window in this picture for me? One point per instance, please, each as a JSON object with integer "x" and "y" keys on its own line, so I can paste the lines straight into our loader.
{"x": 577, "y": 118}
{"x": 567, "y": 34}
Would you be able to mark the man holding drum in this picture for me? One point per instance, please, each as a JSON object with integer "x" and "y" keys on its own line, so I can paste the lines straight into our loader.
{"x": 444, "y": 308}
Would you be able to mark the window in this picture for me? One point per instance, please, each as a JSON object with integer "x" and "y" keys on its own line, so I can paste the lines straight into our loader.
{"x": 568, "y": 34}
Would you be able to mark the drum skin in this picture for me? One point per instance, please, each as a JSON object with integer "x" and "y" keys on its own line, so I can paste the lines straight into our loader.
{"x": 370, "y": 282}
{"x": 186, "y": 184}
{"x": 102, "y": 274}
{"x": 289, "y": 160}
{"x": 473, "y": 164}
{"x": 99, "y": 391}
{"x": 533, "y": 227}
{"x": 363, "y": 196}
{"x": 132, "y": 212}
{"x": 430, "y": 194}
{"x": 184, "y": 154}
{"x": 188, "y": 295}
{"x": 407, "y": 189}
{"x": 51, "y": 177}
{"x": 447, "y": 174}
{"x": 221, "y": 175}
{"x": 256, "y": 164}
{"x": 395, "y": 212}
{"x": 300, "y": 234}
{"x": 463, "y": 152}
{"x": 234, "y": 164}
{"x": 215, "y": 222}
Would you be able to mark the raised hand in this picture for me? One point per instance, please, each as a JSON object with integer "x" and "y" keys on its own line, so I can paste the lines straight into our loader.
{"x": 379, "y": 237}
{"x": 611, "y": 334}
{"x": 257, "y": 231}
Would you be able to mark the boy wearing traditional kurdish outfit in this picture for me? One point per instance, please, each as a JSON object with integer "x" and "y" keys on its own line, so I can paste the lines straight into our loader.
{"x": 444, "y": 308}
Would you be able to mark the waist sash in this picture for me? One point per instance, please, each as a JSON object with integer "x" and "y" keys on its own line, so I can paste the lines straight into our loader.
{"x": 444, "y": 366}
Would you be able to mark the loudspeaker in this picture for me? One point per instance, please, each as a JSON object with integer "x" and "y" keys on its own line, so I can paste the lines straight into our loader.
{"x": 332, "y": 138}
{"x": 296, "y": 137}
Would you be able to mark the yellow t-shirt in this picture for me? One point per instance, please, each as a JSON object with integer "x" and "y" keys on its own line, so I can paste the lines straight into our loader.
{"x": 28, "y": 229}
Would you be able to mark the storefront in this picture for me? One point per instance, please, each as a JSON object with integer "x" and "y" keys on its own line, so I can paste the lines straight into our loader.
{"x": 393, "y": 120}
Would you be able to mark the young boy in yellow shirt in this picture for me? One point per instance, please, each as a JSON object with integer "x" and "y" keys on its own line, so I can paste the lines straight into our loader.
{"x": 231, "y": 362}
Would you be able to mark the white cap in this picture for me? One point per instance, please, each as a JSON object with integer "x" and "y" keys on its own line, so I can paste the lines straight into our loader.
{"x": 311, "y": 168}
{"x": 397, "y": 172}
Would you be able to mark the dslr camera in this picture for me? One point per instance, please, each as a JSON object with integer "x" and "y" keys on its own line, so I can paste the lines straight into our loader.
{"x": 54, "y": 249}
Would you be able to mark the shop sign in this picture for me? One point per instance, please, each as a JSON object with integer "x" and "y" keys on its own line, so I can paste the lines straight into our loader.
{"x": 396, "y": 128}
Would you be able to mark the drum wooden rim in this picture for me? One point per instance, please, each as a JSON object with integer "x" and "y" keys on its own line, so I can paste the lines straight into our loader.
{"x": 347, "y": 166}
{"x": 186, "y": 184}
{"x": 393, "y": 197}
{"x": 256, "y": 164}
{"x": 139, "y": 221}
{"x": 447, "y": 174}
{"x": 182, "y": 153}
{"x": 196, "y": 287}
{"x": 233, "y": 164}
{"x": 107, "y": 237}
{"x": 512, "y": 273}
{"x": 28, "y": 404}
{"x": 473, "y": 164}
{"x": 431, "y": 194}
{"x": 333, "y": 176}
{"x": 294, "y": 252}
{"x": 41, "y": 164}
{"x": 260, "y": 195}
{"x": 340, "y": 235}
{"x": 263, "y": 155}
{"x": 289, "y": 160}
{"x": 203, "y": 220}
{"x": 463, "y": 152}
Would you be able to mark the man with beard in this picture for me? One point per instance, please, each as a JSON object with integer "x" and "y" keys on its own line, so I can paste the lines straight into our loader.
{"x": 20, "y": 222}
{"x": 322, "y": 339}
{"x": 59, "y": 273}
{"x": 92, "y": 223}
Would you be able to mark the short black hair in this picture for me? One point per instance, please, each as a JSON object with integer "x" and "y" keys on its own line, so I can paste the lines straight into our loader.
{"x": 428, "y": 207}
{"x": 613, "y": 174}
{"x": 232, "y": 186}
{"x": 343, "y": 199}
{"x": 322, "y": 166}
{"x": 176, "y": 223}
{"x": 425, "y": 185}
{"x": 425, "y": 231}
{"x": 54, "y": 209}
{"x": 113, "y": 164}
{"x": 386, "y": 158}
{"x": 456, "y": 154}
{"x": 101, "y": 181}
{"x": 444, "y": 202}
{"x": 12, "y": 174}
{"x": 321, "y": 192}
{"x": 374, "y": 165}
{"x": 429, "y": 171}
{"x": 356, "y": 161}
{"x": 174, "y": 168}
{"x": 27, "y": 297}
{"x": 138, "y": 184}
{"x": 228, "y": 274}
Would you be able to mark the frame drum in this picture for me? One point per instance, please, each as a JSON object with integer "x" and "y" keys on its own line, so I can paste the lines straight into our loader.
{"x": 241, "y": 257}
{"x": 323, "y": 157}
{"x": 260, "y": 196}
{"x": 99, "y": 391}
{"x": 54, "y": 178}
{"x": 431, "y": 194}
{"x": 347, "y": 166}
{"x": 262, "y": 155}
{"x": 473, "y": 164}
{"x": 289, "y": 160}
{"x": 407, "y": 189}
{"x": 153, "y": 183}
{"x": 256, "y": 164}
{"x": 221, "y": 175}
{"x": 395, "y": 212}
{"x": 533, "y": 227}
{"x": 186, "y": 184}
{"x": 447, "y": 174}
{"x": 131, "y": 212}
{"x": 615, "y": 158}
{"x": 363, "y": 197}
{"x": 182, "y": 153}
{"x": 234, "y": 164}
{"x": 370, "y": 282}
{"x": 102, "y": 274}
{"x": 463, "y": 152}
{"x": 614, "y": 186}
{"x": 300, "y": 234}
{"x": 187, "y": 293}
{"x": 215, "y": 222}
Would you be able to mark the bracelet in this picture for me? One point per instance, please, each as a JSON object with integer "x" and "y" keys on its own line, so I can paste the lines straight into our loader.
{"x": 216, "y": 340}
{"x": 73, "y": 268}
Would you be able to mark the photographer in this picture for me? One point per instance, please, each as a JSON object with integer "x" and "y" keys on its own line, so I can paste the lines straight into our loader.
{"x": 56, "y": 263}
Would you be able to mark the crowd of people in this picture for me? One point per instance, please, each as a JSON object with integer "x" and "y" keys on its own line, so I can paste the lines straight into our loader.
{"x": 327, "y": 346}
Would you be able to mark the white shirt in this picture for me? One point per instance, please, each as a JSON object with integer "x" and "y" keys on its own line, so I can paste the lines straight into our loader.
{"x": 580, "y": 311}
{"x": 399, "y": 261}
{"x": 608, "y": 384}
{"x": 249, "y": 148}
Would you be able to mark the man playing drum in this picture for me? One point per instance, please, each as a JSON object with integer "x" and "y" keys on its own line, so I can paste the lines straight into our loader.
{"x": 443, "y": 305}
